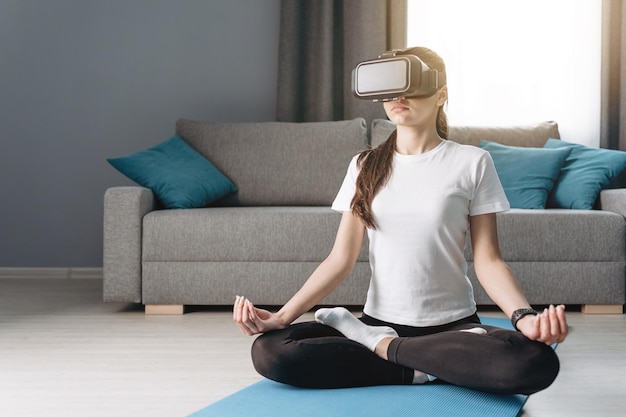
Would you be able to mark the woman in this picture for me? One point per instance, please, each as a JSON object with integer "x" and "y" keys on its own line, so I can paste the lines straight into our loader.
{"x": 416, "y": 195}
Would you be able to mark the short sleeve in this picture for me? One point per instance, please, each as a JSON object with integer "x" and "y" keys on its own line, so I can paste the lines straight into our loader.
{"x": 348, "y": 188}
{"x": 489, "y": 196}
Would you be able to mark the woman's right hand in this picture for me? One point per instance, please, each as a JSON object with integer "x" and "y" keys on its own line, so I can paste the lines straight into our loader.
{"x": 326, "y": 277}
{"x": 252, "y": 320}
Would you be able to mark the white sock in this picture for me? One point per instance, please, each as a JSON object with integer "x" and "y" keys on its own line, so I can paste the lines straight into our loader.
{"x": 422, "y": 378}
{"x": 475, "y": 330}
{"x": 341, "y": 319}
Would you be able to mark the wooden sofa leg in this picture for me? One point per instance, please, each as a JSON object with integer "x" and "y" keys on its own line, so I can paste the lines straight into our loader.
{"x": 165, "y": 309}
{"x": 602, "y": 309}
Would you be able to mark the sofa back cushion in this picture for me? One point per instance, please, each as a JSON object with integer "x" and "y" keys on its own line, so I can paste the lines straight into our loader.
{"x": 279, "y": 163}
{"x": 534, "y": 135}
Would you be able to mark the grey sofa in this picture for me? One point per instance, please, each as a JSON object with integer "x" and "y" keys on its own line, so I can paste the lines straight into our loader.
{"x": 264, "y": 241}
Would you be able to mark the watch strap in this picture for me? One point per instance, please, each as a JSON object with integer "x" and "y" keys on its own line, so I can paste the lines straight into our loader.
{"x": 522, "y": 312}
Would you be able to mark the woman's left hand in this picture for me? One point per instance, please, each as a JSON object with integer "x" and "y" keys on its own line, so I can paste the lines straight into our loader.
{"x": 548, "y": 327}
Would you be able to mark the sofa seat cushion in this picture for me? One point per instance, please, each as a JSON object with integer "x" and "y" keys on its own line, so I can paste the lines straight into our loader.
{"x": 560, "y": 235}
{"x": 250, "y": 234}
{"x": 217, "y": 283}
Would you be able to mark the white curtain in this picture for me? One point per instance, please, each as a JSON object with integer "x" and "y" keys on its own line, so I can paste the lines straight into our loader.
{"x": 513, "y": 62}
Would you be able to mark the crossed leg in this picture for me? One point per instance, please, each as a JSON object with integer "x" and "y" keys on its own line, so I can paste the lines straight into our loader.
{"x": 493, "y": 360}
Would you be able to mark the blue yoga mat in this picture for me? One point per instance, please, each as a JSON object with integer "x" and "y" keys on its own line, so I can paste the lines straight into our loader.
{"x": 272, "y": 399}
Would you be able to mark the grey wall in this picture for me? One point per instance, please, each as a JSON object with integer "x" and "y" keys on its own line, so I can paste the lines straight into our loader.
{"x": 82, "y": 80}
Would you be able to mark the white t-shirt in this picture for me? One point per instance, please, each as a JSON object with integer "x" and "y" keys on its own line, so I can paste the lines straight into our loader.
{"x": 419, "y": 272}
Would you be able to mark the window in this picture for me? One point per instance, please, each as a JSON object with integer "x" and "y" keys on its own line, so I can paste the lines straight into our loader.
{"x": 517, "y": 62}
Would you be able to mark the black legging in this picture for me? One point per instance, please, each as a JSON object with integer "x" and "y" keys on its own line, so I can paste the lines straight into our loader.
{"x": 317, "y": 356}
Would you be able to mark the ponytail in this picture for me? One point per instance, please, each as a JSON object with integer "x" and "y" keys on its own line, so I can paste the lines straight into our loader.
{"x": 375, "y": 170}
{"x": 442, "y": 123}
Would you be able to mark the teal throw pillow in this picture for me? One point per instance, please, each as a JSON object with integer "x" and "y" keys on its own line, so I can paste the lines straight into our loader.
{"x": 527, "y": 174}
{"x": 178, "y": 175}
{"x": 586, "y": 172}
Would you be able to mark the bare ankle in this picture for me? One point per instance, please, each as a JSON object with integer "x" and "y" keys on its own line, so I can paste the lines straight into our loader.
{"x": 383, "y": 346}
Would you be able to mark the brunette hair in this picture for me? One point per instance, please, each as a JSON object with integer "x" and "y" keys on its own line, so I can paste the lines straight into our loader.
{"x": 375, "y": 164}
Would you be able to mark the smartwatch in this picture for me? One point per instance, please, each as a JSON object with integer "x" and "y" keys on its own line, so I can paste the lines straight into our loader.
{"x": 522, "y": 312}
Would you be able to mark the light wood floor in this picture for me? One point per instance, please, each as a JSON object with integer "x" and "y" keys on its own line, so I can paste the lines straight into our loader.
{"x": 65, "y": 353}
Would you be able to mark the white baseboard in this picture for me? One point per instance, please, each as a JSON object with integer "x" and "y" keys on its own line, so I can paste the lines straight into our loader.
{"x": 56, "y": 273}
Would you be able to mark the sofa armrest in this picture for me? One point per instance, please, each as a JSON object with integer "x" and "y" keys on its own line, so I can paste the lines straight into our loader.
{"x": 124, "y": 208}
{"x": 613, "y": 200}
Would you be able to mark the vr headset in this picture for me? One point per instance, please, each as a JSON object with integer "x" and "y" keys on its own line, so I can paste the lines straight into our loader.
{"x": 392, "y": 76}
